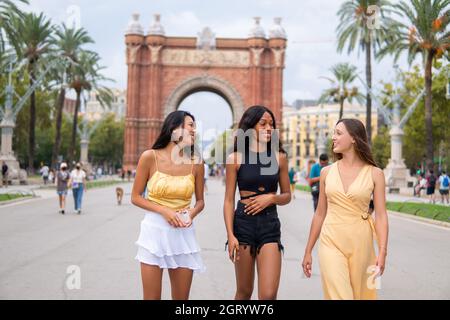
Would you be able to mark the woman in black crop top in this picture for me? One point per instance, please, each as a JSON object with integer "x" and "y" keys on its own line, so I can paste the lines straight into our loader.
{"x": 258, "y": 164}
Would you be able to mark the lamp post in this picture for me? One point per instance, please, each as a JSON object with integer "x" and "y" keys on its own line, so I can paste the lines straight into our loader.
{"x": 8, "y": 115}
{"x": 448, "y": 85}
{"x": 85, "y": 134}
{"x": 321, "y": 141}
{"x": 397, "y": 175}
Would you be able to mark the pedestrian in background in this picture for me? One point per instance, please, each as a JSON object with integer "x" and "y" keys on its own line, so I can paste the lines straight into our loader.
{"x": 61, "y": 182}
{"x": 5, "y": 171}
{"x": 78, "y": 184}
{"x": 444, "y": 187}
{"x": 314, "y": 178}
{"x": 292, "y": 176}
{"x": 431, "y": 186}
{"x": 45, "y": 170}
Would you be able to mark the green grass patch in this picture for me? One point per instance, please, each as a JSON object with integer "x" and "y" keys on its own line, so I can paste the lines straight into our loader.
{"x": 303, "y": 188}
{"x": 425, "y": 210}
{"x": 103, "y": 183}
{"x": 12, "y": 196}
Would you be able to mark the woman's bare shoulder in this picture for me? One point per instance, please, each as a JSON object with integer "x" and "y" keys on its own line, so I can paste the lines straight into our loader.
{"x": 377, "y": 174}
{"x": 325, "y": 170}
{"x": 282, "y": 156}
{"x": 147, "y": 158}
{"x": 147, "y": 154}
{"x": 234, "y": 158}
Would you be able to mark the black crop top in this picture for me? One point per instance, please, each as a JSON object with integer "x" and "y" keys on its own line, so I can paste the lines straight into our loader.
{"x": 259, "y": 173}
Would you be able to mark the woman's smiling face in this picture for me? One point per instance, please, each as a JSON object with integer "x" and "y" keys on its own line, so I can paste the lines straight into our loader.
{"x": 264, "y": 128}
{"x": 342, "y": 140}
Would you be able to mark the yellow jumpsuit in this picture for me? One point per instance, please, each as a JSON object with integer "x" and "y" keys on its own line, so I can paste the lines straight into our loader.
{"x": 346, "y": 248}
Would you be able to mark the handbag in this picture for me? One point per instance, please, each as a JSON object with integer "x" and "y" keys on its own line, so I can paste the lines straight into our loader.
{"x": 315, "y": 188}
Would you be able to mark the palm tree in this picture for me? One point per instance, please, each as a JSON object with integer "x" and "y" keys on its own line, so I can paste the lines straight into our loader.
{"x": 31, "y": 37}
{"x": 425, "y": 32}
{"x": 68, "y": 43}
{"x": 8, "y": 10}
{"x": 355, "y": 31}
{"x": 87, "y": 76}
{"x": 344, "y": 74}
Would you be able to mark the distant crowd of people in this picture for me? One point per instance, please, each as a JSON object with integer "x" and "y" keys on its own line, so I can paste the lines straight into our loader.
{"x": 430, "y": 182}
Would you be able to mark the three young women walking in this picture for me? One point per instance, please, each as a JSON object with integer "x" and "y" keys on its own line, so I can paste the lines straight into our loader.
{"x": 170, "y": 173}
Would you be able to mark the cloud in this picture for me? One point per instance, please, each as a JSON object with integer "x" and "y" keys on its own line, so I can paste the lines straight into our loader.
{"x": 291, "y": 95}
{"x": 185, "y": 23}
{"x": 116, "y": 69}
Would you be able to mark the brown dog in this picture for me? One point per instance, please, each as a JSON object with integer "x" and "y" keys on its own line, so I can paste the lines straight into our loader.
{"x": 119, "y": 195}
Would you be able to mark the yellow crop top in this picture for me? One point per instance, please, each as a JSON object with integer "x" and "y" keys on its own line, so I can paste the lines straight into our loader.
{"x": 174, "y": 192}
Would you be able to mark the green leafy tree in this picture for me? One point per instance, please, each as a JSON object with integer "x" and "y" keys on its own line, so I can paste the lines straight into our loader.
{"x": 106, "y": 145}
{"x": 87, "y": 76}
{"x": 415, "y": 140}
{"x": 8, "y": 11}
{"x": 425, "y": 33}
{"x": 31, "y": 36}
{"x": 68, "y": 43}
{"x": 381, "y": 147}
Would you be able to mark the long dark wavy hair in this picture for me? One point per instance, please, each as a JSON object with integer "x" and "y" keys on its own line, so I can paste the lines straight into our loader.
{"x": 249, "y": 120}
{"x": 358, "y": 132}
{"x": 173, "y": 121}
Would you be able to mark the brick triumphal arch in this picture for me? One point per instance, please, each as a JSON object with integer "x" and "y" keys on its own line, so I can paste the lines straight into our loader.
{"x": 162, "y": 71}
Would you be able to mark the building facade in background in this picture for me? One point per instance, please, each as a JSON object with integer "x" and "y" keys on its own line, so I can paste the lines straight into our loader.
{"x": 303, "y": 120}
{"x": 94, "y": 110}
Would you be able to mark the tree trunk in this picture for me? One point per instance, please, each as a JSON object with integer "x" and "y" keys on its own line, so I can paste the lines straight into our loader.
{"x": 341, "y": 109}
{"x": 58, "y": 124}
{"x": 72, "y": 148}
{"x": 368, "y": 97}
{"x": 428, "y": 111}
{"x": 32, "y": 124}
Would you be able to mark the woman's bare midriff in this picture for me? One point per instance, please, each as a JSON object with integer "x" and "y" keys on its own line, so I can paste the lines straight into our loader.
{"x": 249, "y": 193}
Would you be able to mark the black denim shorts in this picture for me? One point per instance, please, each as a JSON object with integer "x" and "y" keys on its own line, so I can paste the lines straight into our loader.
{"x": 255, "y": 231}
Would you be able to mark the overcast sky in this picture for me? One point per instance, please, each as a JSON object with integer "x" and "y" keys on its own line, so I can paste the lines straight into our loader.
{"x": 309, "y": 24}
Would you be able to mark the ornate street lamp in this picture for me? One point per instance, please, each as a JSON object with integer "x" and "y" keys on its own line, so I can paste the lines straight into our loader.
{"x": 396, "y": 172}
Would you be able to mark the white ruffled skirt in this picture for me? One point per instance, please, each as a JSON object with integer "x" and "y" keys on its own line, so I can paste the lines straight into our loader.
{"x": 162, "y": 245}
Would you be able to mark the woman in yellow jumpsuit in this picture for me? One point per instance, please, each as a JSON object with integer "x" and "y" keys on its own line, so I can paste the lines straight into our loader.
{"x": 348, "y": 263}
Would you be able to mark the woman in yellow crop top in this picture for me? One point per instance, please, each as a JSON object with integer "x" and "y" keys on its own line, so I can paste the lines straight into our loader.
{"x": 170, "y": 174}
